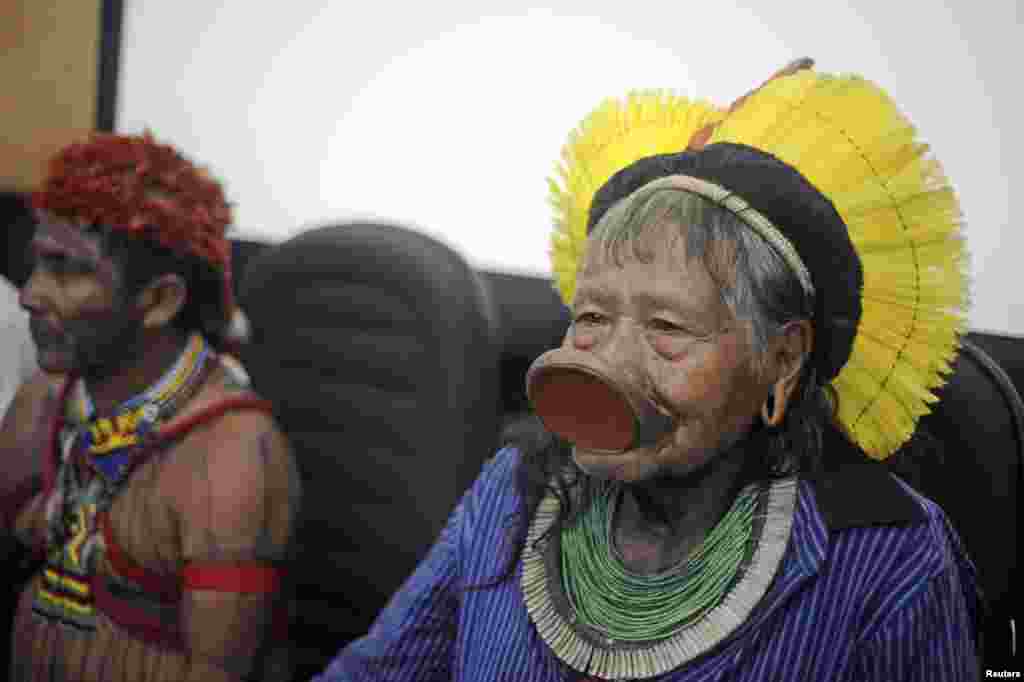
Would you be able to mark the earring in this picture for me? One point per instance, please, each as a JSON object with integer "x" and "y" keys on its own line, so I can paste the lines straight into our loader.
{"x": 768, "y": 413}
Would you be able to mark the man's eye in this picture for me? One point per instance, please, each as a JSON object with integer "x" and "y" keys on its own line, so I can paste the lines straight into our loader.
{"x": 589, "y": 318}
{"x": 63, "y": 264}
{"x": 54, "y": 262}
{"x": 662, "y": 325}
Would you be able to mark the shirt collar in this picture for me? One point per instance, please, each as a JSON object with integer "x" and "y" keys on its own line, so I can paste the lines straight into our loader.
{"x": 849, "y": 490}
{"x": 853, "y": 490}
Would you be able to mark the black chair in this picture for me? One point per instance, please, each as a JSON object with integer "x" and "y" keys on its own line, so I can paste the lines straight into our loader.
{"x": 376, "y": 344}
{"x": 974, "y": 438}
{"x": 243, "y": 252}
{"x": 532, "y": 320}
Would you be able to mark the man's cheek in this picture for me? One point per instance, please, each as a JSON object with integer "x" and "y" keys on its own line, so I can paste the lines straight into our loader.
{"x": 55, "y": 352}
{"x": 89, "y": 333}
{"x": 108, "y": 275}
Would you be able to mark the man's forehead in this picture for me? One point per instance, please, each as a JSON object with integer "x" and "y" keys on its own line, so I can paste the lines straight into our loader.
{"x": 664, "y": 249}
{"x": 659, "y": 273}
{"x": 56, "y": 233}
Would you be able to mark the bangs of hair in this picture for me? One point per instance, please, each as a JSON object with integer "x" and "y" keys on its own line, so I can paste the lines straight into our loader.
{"x": 654, "y": 220}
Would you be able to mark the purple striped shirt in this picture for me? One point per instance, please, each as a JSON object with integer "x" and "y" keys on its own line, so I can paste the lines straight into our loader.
{"x": 888, "y": 602}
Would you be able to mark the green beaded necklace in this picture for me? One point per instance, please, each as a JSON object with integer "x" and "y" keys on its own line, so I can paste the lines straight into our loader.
{"x": 629, "y": 607}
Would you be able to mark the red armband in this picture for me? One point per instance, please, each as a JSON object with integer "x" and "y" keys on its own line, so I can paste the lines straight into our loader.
{"x": 250, "y": 577}
{"x": 243, "y": 577}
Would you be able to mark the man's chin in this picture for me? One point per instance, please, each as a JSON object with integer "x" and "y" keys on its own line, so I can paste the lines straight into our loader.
{"x": 621, "y": 467}
{"x": 54, "y": 362}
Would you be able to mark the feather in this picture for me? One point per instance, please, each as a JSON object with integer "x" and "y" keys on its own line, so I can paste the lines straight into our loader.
{"x": 614, "y": 135}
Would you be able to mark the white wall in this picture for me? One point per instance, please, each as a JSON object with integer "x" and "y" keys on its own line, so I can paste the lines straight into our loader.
{"x": 451, "y": 116}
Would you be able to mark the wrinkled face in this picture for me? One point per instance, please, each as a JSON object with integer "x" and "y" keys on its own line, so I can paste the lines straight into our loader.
{"x": 78, "y": 319}
{"x": 658, "y": 318}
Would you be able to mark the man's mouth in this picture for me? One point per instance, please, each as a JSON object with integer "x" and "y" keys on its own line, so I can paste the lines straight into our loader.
{"x": 45, "y": 334}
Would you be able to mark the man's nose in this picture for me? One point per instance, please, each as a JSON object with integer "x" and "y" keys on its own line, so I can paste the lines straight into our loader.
{"x": 619, "y": 344}
{"x": 620, "y": 348}
{"x": 30, "y": 297}
{"x": 596, "y": 394}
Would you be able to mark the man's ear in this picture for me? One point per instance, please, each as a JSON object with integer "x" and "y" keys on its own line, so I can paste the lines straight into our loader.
{"x": 161, "y": 300}
{"x": 790, "y": 352}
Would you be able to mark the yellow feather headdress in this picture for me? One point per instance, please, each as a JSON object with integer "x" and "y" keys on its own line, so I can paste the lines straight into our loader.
{"x": 848, "y": 139}
{"x": 614, "y": 135}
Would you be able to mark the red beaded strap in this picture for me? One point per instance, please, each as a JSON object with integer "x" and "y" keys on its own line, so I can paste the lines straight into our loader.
{"x": 165, "y": 587}
{"x": 184, "y": 425}
{"x": 137, "y": 621}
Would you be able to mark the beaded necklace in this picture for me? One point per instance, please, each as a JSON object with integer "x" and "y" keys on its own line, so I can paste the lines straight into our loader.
{"x": 110, "y": 448}
{"x": 631, "y": 607}
{"x": 136, "y": 416}
{"x": 109, "y": 443}
{"x": 593, "y": 650}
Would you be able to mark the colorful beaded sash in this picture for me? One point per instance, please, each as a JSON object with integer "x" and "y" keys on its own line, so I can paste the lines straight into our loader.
{"x": 97, "y": 454}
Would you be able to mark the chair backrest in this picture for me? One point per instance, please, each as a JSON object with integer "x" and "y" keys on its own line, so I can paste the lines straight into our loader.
{"x": 974, "y": 474}
{"x": 533, "y": 319}
{"x": 376, "y": 343}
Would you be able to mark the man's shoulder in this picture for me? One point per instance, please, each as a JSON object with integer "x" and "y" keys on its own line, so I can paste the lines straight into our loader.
{"x": 498, "y": 473}
{"x": 238, "y": 459}
{"x": 934, "y": 530}
{"x": 226, "y": 406}
{"x": 902, "y": 552}
{"x": 24, "y": 432}
{"x": 224, "y": 426}
{"x": 494, "y": 489}
{"x": 36, "y": 398}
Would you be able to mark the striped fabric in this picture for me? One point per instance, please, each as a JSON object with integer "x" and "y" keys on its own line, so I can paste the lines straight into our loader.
{"x": 889, "y": 602}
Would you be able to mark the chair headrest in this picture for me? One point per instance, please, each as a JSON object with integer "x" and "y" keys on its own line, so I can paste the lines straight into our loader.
{"x": 376, "y": 344}
{"x": 968, "y": 460}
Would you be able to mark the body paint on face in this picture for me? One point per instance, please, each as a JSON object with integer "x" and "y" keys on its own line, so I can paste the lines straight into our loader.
{"x": 81, "y": 251}
{"x": 78, "y": 319}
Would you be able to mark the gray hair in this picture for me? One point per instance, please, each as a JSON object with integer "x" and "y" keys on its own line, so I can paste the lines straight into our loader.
{"x": 755, "y": 284}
